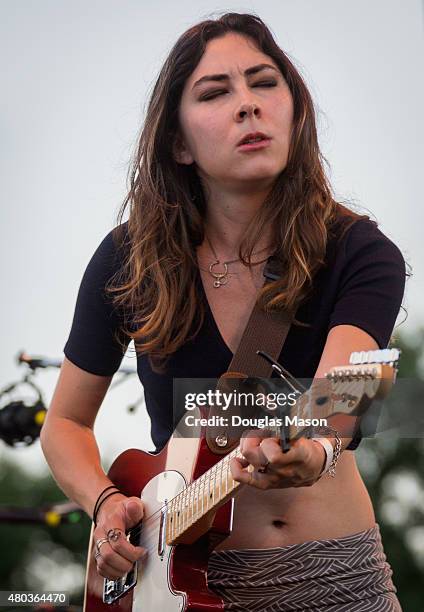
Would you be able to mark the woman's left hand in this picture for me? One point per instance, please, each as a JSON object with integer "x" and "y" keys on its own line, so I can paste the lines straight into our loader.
{"x": 301, "y": 466}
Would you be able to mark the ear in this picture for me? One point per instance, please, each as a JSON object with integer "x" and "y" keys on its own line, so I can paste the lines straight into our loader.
{"x": 180, "y": 151}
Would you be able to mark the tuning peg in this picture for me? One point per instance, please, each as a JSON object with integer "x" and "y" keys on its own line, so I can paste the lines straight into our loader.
{"x": 387, "y": 356}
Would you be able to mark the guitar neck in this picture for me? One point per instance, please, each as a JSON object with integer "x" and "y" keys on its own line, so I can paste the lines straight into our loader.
{"x": 216, "y": 486}
{"x": 201, "y": 499}
{"x": 343, "y": 391}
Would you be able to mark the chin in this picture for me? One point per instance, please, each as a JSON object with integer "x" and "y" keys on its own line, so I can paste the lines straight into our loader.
{"x": 259, "y": 175}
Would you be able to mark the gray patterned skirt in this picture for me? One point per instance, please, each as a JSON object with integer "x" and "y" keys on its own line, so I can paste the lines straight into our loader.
{"x": 348, "y": 574}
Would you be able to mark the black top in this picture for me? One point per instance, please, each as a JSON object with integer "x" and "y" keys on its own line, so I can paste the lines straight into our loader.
{"x": 361, "y": 284}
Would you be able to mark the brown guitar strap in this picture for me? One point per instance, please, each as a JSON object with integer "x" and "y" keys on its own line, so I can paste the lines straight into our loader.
{"x": 266, "y": 331}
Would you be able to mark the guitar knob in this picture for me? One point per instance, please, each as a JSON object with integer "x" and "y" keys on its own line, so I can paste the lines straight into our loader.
{"x": 221, "y": 440}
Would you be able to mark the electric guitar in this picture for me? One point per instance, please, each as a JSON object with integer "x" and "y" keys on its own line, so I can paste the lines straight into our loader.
{"x": 188, "y": 492}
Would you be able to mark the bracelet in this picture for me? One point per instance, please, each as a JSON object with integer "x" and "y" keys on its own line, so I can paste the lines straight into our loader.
{"x": 99, "y": 501}
{"x": 100, "y": 505}
{"x": 329, "y": 453}
{"x": 100, "y": 495}
{"x": 337, "y": 451}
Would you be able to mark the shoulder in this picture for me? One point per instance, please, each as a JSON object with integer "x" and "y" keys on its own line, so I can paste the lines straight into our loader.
{"x": 115, "y": 242}
{"x": 354, "y": 237}
{"x": 366, "y": 240}
{"x": 110, "y": 254}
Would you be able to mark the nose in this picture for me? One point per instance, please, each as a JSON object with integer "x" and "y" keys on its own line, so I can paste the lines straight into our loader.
{"x": 249, "y": 110}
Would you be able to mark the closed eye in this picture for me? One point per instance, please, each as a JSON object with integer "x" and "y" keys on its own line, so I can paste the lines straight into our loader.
{"x": 213, "y": 94}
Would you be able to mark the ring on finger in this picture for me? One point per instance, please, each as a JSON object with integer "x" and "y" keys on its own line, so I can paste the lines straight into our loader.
{"x": 99, "y": 543}
{"x": 97, "y": 554}
{"x": 113, "y": 534}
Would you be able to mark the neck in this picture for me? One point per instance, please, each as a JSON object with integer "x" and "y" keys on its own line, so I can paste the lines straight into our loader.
{"x": 227, "y": 219}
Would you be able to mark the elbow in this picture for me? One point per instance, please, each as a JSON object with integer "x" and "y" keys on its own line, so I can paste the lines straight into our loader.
{"x": 46, "y": 433}
{"x": 44, "y": 436}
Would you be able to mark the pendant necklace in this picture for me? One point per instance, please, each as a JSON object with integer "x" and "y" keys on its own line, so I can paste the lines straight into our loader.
{"x": 221, "y": 278}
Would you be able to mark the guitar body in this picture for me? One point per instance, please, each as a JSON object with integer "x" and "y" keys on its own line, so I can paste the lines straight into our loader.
{"x": 185, "y": 490}
{"x": 172, "y": 579}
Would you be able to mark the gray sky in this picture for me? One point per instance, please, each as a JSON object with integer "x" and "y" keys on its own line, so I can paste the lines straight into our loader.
{"x": 76, "y": 76}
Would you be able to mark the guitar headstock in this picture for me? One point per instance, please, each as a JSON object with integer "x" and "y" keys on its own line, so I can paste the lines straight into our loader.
{"x": 369, "y": 376}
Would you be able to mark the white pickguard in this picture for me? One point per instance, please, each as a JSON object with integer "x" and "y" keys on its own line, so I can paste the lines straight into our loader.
{"x": 153, "y": 584}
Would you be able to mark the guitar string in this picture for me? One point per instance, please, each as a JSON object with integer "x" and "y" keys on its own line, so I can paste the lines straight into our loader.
{"x": 152, "y": 534}
{"x": 213, "y": 472}
{"x": 134, "y": 532}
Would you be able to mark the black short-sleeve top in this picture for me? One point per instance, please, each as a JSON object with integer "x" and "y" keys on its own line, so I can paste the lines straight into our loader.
{"x": 361, "y": 283}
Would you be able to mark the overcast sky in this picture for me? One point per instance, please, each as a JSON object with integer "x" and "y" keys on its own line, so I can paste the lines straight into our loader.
{"x": 75, "y": 79}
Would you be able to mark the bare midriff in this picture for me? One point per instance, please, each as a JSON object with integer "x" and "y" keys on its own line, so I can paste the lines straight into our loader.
{"x": 331, "y": 508}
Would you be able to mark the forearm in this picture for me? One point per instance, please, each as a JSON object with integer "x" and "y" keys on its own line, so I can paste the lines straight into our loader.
{"x": 73, "y": 456}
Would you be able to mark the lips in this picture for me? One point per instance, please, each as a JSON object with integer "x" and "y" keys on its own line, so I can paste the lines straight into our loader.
{"x": 253, "y": 136}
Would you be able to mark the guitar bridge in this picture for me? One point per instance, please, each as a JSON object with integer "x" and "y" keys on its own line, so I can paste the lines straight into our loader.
{"x": 115, "y": 589}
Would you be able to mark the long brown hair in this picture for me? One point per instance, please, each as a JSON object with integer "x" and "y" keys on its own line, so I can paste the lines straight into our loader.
{"x": 157, "y": 284}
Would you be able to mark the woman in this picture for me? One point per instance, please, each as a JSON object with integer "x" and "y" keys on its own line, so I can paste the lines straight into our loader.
{"x": 198, "y": 197}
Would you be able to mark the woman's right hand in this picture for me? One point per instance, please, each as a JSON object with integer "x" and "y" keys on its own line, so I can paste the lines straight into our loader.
{"x": 117, "y": 556}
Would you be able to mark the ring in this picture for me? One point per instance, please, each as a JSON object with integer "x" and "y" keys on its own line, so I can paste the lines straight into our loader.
{"x": 97, "y": 555}
{"x": 113, "y": 534}
{"x": 264, "y": 468}
{"x": 99, "y": 543}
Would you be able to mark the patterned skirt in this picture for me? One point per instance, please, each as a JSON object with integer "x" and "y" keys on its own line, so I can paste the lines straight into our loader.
{"x": 348, "y": 574}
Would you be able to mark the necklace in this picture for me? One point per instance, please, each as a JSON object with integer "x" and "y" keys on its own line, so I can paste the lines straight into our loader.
{"x": 221, "y": 278}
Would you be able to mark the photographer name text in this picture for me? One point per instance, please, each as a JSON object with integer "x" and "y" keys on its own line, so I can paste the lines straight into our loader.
{"x": 260, "y": 423}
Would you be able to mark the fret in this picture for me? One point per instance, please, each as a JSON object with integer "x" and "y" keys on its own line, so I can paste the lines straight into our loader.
{"x": 182, "y": 510}
{"x": 220, "y": 479}
{"x": 209, "y": 491}
{"x": 191, "y": 489}
{"x": 203, "y": 491}
{"x": 184, "y": 502}
{"x": 174, "y": 520}
{"x": 196, "y": 500}
{"x": 188, "y": 505}
{"x": 170, "y": 521}
{"x": 178, "y": 508}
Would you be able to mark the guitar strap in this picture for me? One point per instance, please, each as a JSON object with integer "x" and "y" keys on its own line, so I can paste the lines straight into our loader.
{"x": 266, "y": 331}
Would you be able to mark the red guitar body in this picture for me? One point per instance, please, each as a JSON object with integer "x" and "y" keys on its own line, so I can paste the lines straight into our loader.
{"x": 187, "y": 563}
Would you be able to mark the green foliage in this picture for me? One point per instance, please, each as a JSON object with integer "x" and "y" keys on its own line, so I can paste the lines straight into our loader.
{"x": 20, "y": 541}
{"x": 394, "y": 461}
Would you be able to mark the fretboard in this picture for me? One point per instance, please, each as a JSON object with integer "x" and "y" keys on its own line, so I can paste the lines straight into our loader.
{"x": 200, "y": 498}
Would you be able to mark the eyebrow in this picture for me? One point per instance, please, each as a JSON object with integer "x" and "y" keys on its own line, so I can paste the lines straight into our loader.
{"x": 225, "y": 77}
